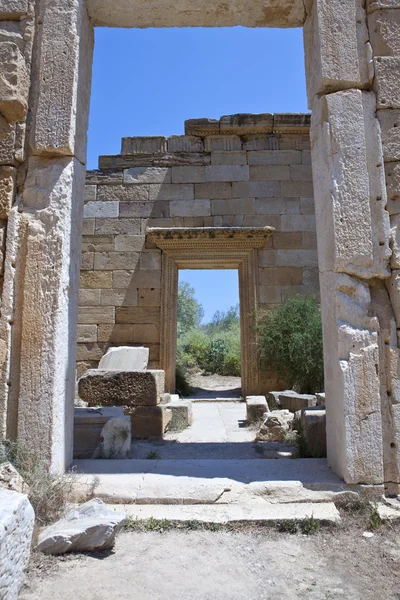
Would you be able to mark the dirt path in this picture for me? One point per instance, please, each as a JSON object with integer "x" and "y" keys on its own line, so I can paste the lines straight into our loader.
{"x": 210, "y": 387}
{"x": 253, "y": 565}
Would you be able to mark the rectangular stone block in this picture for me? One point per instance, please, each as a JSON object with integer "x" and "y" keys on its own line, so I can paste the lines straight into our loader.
{"x": 101, "y": 210}
{"x": 149, "y": 297}
{"x": 143, "y": 145}
{"x": 7, "y": 190}
{"x": 336, "y": 47}
{"x": 123, "y": 193}
{"x": 174, "y": 191}
{"x": 147, "y": 175}
{"x": 274, "y": 157}
{"x": 213, "y": 190}
{"x": 87, "y": 333}
{"x": 96, "y": 314}
{"x": 272, "y": 276}
{"x": 256, "y": 189}
{"x": 181, "y": 414}
{"x": 185, "y": 143}
{"x": 87, "y": 261}
{"x": 277, "y": 206}
{"x": 88, "y": 226}
{"x": 105, "y": 177}
{"x": 144, "y": 210}
{"x": 130, "y": 243}
{"x": 121, "y": 388}
{"x": 14, "y": 83}
{"x": 150, "y": 260}
{"x": 90, "y": 193}
{"x": 286, "y": 240}
{"x": 294, "y": 258}
{"x": 88, "y": 425}
{"x": 215, "y": 143}
{"x": 188, "y": 174}
{"x": 227, "y": 173}
{"x": 384, "y": 31}
{"x": 90, "y": 352}
{"x": 137, "y": 315}
{"x": 386, "y": 82}
{"x": 149, "y": 421}
{"x": 109, "y": 261}
{"x": 118, "y": 297}
{"x": 233, "y": 206}
{"x": 256, "y": 406}
{"x": 97, "y": 243}
{"x": 260, "y": 142}
{"x": 300, "y": 173}
{"x": 270, "y": 294}
{"x": 190, "y": 208}
{"x": 60, "y": 112}
{"x": 95, "y": 280}
{"x": 137, "y": 279}
{"x": 307, "y": 206}
{"x": 309, "y": 240}
{"x": 293, "y": 402}
{"x": 298, "y": 223}
{"x": 114, "y": 226}
{"x": 267, "y": 258}
{"x": 269, "y": 172}
{"x": 89, "y": 297}
{"x": 13, "y": 9}
{"x": 229, "y": 158}
{"x": 296, "y": 189}
{"x": 390, "y": 130}
{"x": 289, "y": 141}
{"x": 125, "y": 333}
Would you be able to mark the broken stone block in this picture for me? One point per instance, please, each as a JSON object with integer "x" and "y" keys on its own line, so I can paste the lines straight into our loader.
{"x": 273, "y": 400}
{"x": 181, "y": 414}
{"x": 121, "y": 388}
{"x": 10, "y": 479}
{"x": 16, "y": 527}
{"x": 88, "y": 427}
{"x": 256, "y": 406}
{"x": 125, "y": 358}
{"x": 115, "y": 439}
{"x": 7, "y": 190}
{"x": 294, "y": 402}
{"x": 149, "y": 421}
{"x": 313, "y": 426}
{"x": 276, "y": 426}
{"x": 91, "y": 526}
{"x": 14, "y": 83}
{"x": 320, "y": 399}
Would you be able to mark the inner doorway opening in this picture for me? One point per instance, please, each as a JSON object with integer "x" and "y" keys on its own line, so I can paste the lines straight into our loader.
{"x": 208, "y": 365}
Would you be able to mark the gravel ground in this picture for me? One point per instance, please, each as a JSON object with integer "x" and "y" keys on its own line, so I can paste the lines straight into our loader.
{"x": 227, "y": 565}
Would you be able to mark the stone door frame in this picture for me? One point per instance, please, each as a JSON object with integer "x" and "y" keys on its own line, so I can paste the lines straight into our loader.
{"x": 211, "y": 248}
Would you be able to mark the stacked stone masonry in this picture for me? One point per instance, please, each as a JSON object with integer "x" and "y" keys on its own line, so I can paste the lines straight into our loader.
{"x": 240, "y": 171}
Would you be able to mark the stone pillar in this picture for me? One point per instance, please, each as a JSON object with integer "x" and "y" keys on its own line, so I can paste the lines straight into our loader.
{"x": 354, "y": 248}
{"x": 50, "y": 210}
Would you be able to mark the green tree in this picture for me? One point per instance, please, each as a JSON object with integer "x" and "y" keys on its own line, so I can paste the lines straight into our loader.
{"x": 190, "y": 311}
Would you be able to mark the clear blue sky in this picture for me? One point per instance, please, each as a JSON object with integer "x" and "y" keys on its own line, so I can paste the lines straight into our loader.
{"x": 148, "y": 82}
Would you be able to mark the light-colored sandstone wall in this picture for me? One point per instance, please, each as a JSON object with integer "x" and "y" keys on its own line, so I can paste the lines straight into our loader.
{"x": 241, "y": 171}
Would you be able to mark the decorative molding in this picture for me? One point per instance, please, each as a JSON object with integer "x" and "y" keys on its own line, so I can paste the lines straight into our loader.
{"x": 204, "y": 238}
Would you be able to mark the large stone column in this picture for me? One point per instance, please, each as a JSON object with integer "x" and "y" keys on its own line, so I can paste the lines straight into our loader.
{"x": 354, "y": 247}
{"x": 48, "y": 226}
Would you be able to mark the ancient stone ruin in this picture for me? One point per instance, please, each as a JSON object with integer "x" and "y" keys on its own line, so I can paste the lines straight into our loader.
{"x": 352, "y": 67}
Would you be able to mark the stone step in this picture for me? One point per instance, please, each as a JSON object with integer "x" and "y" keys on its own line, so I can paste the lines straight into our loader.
{"x": 235, "y": 513}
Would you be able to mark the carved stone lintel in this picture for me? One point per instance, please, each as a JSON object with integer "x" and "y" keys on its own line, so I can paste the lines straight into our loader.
{"x": 170, "y": 238}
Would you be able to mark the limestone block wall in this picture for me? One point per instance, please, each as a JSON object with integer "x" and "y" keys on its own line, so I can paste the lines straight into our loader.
{"x": 239, "y": 171}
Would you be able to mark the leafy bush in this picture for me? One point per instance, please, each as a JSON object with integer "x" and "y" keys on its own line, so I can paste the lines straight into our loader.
{"x": 182, "y": 386}
{"x": 290, "y": 343}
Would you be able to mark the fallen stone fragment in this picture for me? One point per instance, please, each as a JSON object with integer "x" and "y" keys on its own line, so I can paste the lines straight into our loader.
{"x": 16, "y": 528}
{"x": 320, "y": 399}
{"x": 273, "y": 400}
{"x": 88, "y": 427}
{"x": 294, "y": 402}
{"x": 10, "y": 479}
{"x": 91, "y": 526}
{"x": 115, "y": 439}
{"x": 256, "y": 406}
{"x": 276, "y": 426}
{"x": 149, "y": 421}
{"x": 125, "y": 358}
{"x": 181, "y": 414}
{"x": 121, "y": 388}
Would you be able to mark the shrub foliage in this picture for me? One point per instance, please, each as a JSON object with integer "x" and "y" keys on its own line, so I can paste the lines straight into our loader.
{"x": 290, "y": 343}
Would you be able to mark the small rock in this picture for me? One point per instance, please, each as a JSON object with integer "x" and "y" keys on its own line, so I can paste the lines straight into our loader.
{"x": 91, "y": 526}
{"x": 115, "y": 439}
{"x": 276, "y": 426}
{"x": 368, "y": 534}
{"x": 10, "y": 479}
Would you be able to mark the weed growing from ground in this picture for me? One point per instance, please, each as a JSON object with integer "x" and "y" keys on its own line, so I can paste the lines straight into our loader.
{"x": 309, "y": 525}
{"x": 374, "y": 519}
{"x": 153, "y": 455}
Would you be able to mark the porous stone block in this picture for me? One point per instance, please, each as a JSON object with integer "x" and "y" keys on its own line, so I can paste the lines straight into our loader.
{"x": 125, "y": 358}
{"x": 185, "y": 143}
{"x": 384, "y": 30}
{"x": 115, "y": 439}
{"x": 101, "y": 209}
{"x": 96, "y": 315}
{"x": 227, "y": 173}
{"x": 121, "y": 388}
{"x": 337, "y": 53}
{"x": 293, "y": 402}
{"x": 88, "y": 425}
{"x": 16, "y": 528}
{"x": 276, "y": 426}
{"x": 96, "y": 280}
{"x": 149, "y": 421}
{"x": 7, "y": 190}
{"x": 147, "y": 175}
{"x": 246, "y": 123}
{"x": 256, "y": 406}
{"x": 386, "y": 82}
{"x": 143, "y": 145}
{"x": 14, "y": 83}
{"x": 13, "y": 9}
{"x": 123, "y": 193}
{"x": 313, "y": 426}
{"x": 181, "y": 414}
{"x": 188, "y": 174}
{"x": 390, "y": 130}
{"x": 87, "y": 333}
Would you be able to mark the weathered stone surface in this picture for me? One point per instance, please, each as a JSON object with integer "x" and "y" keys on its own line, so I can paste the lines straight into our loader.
{"x": 92, "y": 526}
{"x": 13, "y": 9}
{"x": 181, "y": 413}
{"x": 147, "y": 175}
{"x": 313, "y": 428}
{"x": 390, "y": 129}
{"x": 273, "y": 400}
{"x": 125, "y": 358}
{"x": 293, "y": 402}
{"x": 384, "y": 30}
{"x": 88, "y": 425}
{"x": 276, "y": 426}
{"x": 16, "y": 529}
{"x": 121, "y": 388}
{"x": 63, "y": 80}
{"x": 14, "y": 83}
{"x": 143, "y": 145}
{"x": 5, "y": 128}
{"x": 10, "y": 479}
{"x": 115, "y": 439}
{"x": 320, "y": 399}
{"x": 386, "y": 82}
{"x": 7, "y": 190}
{"x": 256, "y": 406}
{"x": 185, "y": 143}
{"x": 149, "y": 421}
{"x": 350, "y": 191}
{"x": 337, "y": 52}
{"x": 101, "y": 209}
